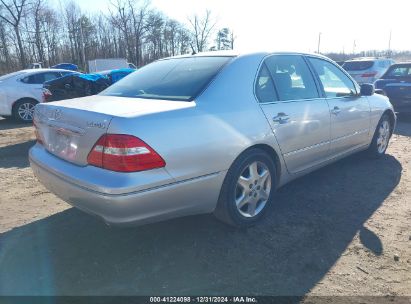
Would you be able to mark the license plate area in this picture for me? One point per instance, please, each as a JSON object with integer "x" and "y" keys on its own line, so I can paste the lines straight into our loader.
{"x": 62, "y": 143}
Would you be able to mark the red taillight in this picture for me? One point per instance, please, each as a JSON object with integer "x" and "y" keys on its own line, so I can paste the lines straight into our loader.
{"x": 124, "y": 153}
{"x": 46, "y": 94}
{"x": 370, "y": 74}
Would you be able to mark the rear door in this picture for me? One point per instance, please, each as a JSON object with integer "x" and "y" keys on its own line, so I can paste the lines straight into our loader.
{"x": 298, "y": 116}
{"x": 350, "y": 112}
{"x": 34, "y": 83}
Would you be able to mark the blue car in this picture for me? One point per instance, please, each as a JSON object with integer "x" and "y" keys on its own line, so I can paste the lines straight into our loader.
{"x": 66, "y": 66}
{"x": 116, "y": 75}
{"x": 396, "y": 84}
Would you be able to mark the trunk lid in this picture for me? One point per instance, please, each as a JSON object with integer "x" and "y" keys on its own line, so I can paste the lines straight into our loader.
{"x": 70, "y": 128}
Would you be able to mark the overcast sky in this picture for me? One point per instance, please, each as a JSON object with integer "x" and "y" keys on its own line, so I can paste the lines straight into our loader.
{"x": 295, "y": 24}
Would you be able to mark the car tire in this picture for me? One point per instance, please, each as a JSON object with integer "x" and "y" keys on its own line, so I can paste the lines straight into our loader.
{"x": 381, "y": 138}
{"x": 23, "y": 110}
{"x": 248, "y": 189}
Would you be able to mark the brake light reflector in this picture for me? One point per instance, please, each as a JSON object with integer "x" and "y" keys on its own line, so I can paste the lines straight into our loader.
{"x": 46, "y": 94}
{"x": 124, "y": 153}
{"x": 370, "y": 74}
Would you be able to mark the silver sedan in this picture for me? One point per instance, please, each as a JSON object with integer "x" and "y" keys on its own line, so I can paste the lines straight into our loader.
{"x": 209, "y": 133}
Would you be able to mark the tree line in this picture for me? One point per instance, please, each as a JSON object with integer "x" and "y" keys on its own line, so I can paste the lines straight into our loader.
{"x": 33, "y": 31}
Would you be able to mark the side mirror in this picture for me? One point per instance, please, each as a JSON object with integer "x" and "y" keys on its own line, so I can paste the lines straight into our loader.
{"x": 367, "y": 89}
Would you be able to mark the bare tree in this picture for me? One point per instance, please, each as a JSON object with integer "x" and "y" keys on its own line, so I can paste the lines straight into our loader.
{"x": 121, "y": 19}
{"x": 224, "y": 39}
{"x": 12, "y": 12}
{"x": 34, "y": 30}
{"x": 138, "y": 17}
{"x": 4, "y": 48}
{"x": 201, "y": 29}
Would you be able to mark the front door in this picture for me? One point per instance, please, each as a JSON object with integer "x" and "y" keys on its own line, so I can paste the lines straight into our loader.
{"x": 298, "y": 116}
{"x": 349, "y": 112}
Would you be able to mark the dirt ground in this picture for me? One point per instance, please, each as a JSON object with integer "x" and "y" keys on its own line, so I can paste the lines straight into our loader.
{"x": 343, "y": 230}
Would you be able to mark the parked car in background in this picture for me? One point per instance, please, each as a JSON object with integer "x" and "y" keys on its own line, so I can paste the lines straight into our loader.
{"x": 116, "y": 75}
{"x": 396, "y": 85}
{"x": 367, "y": 69}
{"x": 74, "y": 85}
{"x": 214, "y": 132}
{"x": 35, "y": 65}
{"x": 66, "y": 66}
{"x": 21, "y": 91}
{"x": 100, "y": 65}
{"x": 80, "y": 85}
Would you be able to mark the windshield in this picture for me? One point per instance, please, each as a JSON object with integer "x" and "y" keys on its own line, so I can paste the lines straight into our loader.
{"x": 357, "y": 65}
{"x": 170, "y": 79}
{"x": 7, "y": 76}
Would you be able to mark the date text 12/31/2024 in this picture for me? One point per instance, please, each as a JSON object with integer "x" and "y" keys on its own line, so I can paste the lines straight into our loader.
{"x": 239, "y": 299}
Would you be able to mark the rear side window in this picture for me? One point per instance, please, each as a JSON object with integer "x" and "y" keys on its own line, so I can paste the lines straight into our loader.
{"x": 292, "y": 77}
{"x": 40, "y": 78}
{"x": 358, "y": 65}
{"x": 264, "y": 87}
{"x": 399, "y": 71}
{"x": 171, "y": 79}
{"x": 334, "y": 81}
{"x": 67, "y": 73}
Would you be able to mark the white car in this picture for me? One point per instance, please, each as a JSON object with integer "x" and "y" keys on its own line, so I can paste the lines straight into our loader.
{"x": 367, "y": 69}
{"x": 21, "y": 91}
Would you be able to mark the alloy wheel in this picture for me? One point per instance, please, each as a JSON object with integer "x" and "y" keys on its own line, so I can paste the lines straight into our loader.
{"x": 253, "y": 189}
{"x": 26, "y": 111}
{"x": 383, "y": 136}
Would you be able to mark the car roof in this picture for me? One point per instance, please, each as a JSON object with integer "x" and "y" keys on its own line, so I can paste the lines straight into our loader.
{"x": 44, "y": 70}
{"x": 368, "y": 59}
{"x": 401, "y": 64}
{"x": 231, "y": 53}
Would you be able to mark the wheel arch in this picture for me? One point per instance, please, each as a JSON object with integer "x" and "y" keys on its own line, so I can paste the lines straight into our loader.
{"x": 14, "y": 108}
{"x": 272, "y": 153}
{"x": 22, "y": 99}
{"x": 391, "y": 115}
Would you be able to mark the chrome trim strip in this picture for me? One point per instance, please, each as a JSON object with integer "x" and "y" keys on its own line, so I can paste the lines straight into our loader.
{"x": 307, "y": 148}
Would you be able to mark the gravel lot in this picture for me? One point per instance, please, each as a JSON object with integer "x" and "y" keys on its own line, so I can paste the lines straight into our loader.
{"x": 343, "y": 230}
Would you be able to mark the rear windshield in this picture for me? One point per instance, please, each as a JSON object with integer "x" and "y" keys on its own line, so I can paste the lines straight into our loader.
{"x": 358, "y": 65}
{"x": 171, "y": 79}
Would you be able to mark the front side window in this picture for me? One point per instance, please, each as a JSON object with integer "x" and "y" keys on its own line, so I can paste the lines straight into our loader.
{"x": 334, "y": 81}
{"x": 180, "y": 79}
{"x": 292, "y": 77}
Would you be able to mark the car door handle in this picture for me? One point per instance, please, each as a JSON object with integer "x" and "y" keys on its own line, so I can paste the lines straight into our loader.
{"x": 281, "y": 118}
{"x": 336, "y": 110}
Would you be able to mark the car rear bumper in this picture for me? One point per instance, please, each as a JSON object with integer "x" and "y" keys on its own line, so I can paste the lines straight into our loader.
{"x": 154, "y": 203}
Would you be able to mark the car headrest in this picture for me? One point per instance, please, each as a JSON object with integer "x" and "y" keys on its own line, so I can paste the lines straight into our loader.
{"x": 283, "y": 81}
